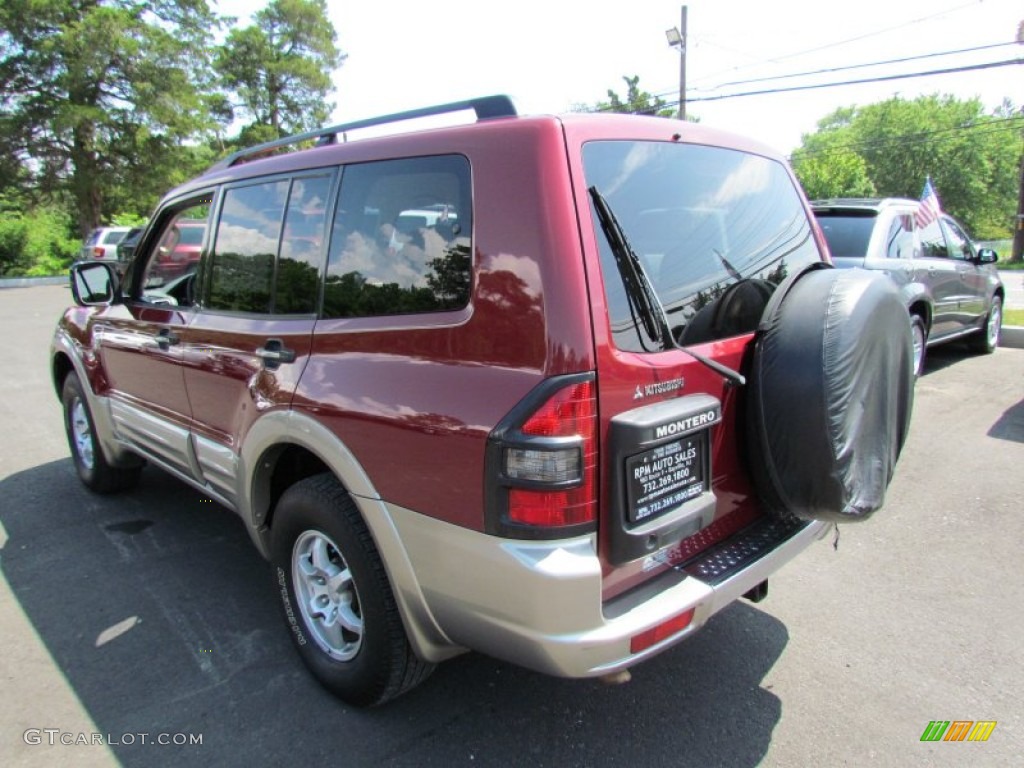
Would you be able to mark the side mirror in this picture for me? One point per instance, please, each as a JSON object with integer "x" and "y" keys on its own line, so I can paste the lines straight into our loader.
{"x": 987, "y": 256}
{"x": 95, "y": 284}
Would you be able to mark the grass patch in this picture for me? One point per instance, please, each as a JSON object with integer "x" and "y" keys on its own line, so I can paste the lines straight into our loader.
{"x": 1013, "y": 317}
{"x": 1016, "y": 266}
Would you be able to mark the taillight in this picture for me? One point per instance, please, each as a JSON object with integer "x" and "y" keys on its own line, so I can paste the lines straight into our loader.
{"x": 542, "y": 462}
{"x": 97, "y": 252}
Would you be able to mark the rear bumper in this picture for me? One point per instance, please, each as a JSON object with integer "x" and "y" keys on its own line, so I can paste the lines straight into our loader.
{"x": 538, "y": 604}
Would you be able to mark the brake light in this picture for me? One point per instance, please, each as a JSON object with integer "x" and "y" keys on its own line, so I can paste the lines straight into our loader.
{"x": 570, "y": 413}
{"x": 97, "y": 252}
{"x": 544, "y": 457}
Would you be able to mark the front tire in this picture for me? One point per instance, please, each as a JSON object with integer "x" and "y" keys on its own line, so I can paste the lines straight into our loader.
{"x": 91, "y": 465}
{"x": 336, "y": 597}
{"x": 986, "y": 340}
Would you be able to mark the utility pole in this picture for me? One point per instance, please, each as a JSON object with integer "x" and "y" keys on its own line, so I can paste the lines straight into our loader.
{"x": 677, "y": 39}
{"x": 682, "y": 67}
{"x": 1017, "y": 252}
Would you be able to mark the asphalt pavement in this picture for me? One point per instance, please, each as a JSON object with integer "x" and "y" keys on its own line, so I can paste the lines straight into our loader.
{"x": 148, "y": 617}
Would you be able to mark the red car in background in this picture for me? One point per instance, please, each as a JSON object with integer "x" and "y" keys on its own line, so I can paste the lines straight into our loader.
{"x": 179, "y": 250}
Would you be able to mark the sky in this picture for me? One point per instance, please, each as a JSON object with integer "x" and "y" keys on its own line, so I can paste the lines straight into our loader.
{"x": 550, "y": 55}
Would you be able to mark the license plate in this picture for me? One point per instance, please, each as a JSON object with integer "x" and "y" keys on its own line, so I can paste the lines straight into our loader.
{"x": 664, "y": 477}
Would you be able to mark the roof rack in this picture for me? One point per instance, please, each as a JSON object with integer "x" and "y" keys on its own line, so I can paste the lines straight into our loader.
{"x": 486, "y": 107}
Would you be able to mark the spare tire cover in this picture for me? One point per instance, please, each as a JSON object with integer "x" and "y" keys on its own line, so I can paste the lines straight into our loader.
{"x": 830, "y": 394}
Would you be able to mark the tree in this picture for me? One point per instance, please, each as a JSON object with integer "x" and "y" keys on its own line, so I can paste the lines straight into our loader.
{"x": 91, "y": 90}
{"x": 279, "y": 69}
{"x": 826, "y": 168}
{"x": 971, "y": 156}
{"x": 637, "y": 102}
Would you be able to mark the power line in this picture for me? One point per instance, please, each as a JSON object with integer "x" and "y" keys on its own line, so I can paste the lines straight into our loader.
{"x": 859, "y": 66}
{"x": 838, "y": 43}
{"x": 879, "y": 79}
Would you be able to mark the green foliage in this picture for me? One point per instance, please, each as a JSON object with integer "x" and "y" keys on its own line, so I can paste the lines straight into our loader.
{"x": 894, "y": 145}
{"x": 36, "y": 243}
{"x": 637, "y": 102}
{"x": 90, "y": 91}
{"x": 279, "y": 68}
{"x": 826, "y": 168}
{"x": 128, "y": 220}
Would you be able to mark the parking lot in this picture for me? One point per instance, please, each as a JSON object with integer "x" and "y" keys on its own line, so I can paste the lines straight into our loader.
{"x": 148, "y": 617}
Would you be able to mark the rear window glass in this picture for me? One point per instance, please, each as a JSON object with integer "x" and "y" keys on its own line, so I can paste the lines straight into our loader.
{"x": 847, "y": 234}
{"x": 714, "y": 229}
{"x": 114, "y": 236}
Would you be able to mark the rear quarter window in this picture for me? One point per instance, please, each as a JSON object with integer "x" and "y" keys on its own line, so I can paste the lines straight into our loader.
{"x": 701, "y": 220}
{"x": 401, "y": 238}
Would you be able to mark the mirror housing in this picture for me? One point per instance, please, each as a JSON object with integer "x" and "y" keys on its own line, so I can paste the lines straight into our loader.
{"x": 987, "y": 256}
{"x": 95, "y": 284}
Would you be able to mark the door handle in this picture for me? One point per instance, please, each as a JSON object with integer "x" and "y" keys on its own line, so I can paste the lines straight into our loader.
{"x": 274, "y": 352}
{"x": 166, "y": 338}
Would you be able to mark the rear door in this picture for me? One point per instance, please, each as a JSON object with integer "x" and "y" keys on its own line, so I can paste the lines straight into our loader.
{"x": 714, "y": 230}
{"x": 973, "y": 283}
{"x": 941, "y": 274}
{"x": 245, "y": 350}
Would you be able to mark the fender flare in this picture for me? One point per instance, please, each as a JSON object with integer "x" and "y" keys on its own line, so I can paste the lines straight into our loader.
{"x": 287, "y": 427}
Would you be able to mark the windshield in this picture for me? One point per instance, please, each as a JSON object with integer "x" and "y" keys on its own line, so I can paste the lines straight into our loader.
{"x": 714, "y": 229}
{"x": 847, "y": 234}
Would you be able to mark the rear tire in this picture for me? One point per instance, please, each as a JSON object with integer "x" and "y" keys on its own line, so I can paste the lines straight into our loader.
{"x": 986, "y": 340}
{"x": 91, "y": 465}
{"x": 337, "y": 601}
{"x": 919, "y": 335}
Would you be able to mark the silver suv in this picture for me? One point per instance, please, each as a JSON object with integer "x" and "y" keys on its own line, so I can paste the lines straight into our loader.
{"x": 101, "y": 244}
{"x": 950, "y": 287}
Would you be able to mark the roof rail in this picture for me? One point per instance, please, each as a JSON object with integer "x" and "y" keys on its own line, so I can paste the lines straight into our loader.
{"x": 486, "y": 107}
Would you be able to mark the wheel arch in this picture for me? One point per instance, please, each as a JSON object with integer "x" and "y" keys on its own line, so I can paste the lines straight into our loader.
{"x": 65, "y": 360}
{"x": 921, "y": 306}
{"x": 285, "y": 447}
{"x": 60, "y": 367}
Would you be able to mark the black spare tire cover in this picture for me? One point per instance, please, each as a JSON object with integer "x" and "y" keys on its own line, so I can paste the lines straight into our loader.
{"x": 830, "y": 394}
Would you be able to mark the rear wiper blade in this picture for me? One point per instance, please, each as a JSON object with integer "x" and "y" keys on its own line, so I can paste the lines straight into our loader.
{"x": 640, "y": 291}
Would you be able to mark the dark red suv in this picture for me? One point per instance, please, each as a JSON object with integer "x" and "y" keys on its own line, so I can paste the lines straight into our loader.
{"x": 553, "y": 389}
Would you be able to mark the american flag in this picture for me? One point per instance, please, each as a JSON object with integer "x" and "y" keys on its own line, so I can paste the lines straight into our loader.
{"x": 929, "y": 207}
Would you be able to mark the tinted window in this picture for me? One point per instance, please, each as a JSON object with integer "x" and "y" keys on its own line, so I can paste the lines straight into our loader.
{"x": 715, "y": 230}
{"x": 192, "y": 235}
{"x": 959, "y": 244}
{"x": 401, "y": 238}
{"x": 933, "y": 243}
{"x": 847, "y": 234}
{"x": 300, "y": 260}
{"x": 899, "y": 241}
{"x": 114, "y": 236}
{"x": 247, "y": 237}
